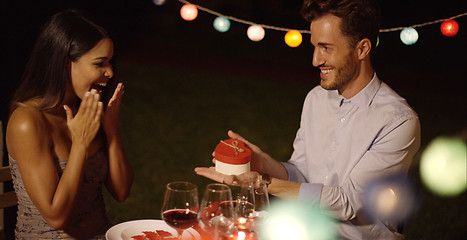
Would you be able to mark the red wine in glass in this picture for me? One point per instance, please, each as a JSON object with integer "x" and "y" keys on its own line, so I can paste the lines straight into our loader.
{"x": 180, "y": 218}
{"x": 180, "y": 206}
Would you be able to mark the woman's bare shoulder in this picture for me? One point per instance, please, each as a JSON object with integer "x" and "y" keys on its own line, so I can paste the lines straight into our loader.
{"x": 26, "y": 125}
{"x": 25, "y": 119}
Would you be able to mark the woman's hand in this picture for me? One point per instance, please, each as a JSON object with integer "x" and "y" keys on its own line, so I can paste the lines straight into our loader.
{"x": 85, "y": 124}
{"x": 112, "y": 111}
{"x": 120, "y": 175}
{"x": 211, "y": 173}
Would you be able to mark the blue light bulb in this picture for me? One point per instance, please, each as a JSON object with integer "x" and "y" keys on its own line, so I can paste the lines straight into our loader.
{"x": 221, "y": 24}
{"x": 409, "y": 36}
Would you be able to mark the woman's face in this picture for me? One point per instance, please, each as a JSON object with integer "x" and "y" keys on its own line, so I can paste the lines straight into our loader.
{"x": 93, "y": 69}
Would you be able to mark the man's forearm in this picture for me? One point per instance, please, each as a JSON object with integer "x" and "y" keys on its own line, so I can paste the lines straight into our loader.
{"x": 273, "y": 167}
{"x": 284, "y": 189}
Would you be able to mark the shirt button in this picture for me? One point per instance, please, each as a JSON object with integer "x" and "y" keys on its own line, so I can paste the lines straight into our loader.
{"x": 342, "y": 119}
{"x": 326, "y": 177}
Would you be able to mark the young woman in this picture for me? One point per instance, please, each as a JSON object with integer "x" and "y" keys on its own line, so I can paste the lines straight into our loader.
{"x": 63, "y": 145}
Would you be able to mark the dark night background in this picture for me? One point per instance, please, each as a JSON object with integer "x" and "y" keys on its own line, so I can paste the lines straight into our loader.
{"x": 435, "y": 64}
{"x": 431, "y": 74}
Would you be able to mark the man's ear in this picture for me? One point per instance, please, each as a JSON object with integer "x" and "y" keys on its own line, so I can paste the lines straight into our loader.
{"x": 363, "y": 48}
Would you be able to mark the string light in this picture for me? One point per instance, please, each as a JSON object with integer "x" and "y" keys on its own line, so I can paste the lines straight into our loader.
{"x": 445, "y": 30}
{"x": 255, "y": 32}
{"x": 443, "y": 164}
{"x": 158, "y": 2}
{"x": 189, "y": 12}
{"x": 449, "y": 28}
{"x": 293, "y": 38}
{"x": 409, "y": 35}
{"x": 221, "y": 24}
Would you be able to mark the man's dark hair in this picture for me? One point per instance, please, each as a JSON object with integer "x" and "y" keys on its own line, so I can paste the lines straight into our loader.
{"x": 360, "y": 18}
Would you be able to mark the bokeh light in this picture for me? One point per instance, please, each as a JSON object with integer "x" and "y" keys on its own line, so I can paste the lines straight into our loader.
{"x": 255, "y": 33}
{"x": 158, "y": 2}
{"x": 389, "y": 198}
{"x": 443, "y": 166}
{"x": 293, "y": 38}
{"x": 221, "y": 24}
{"x": 449, "y": 28}
{"x": 409, "y": 36}
{"x": 297, "y": 220}
{"x": 189, "y": 12}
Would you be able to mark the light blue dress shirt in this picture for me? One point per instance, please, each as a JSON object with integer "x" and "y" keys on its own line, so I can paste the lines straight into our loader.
{"x": 343, "y": 144}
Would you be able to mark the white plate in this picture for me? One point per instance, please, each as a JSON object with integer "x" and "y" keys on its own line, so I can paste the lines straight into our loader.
{"x": 125, "y": 230}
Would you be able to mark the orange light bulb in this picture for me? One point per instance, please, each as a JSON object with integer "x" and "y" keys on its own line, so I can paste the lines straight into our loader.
{"x": 293, "y": 38}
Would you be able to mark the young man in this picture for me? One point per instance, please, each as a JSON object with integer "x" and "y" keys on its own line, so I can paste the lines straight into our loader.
{"x": 354, "y": 128}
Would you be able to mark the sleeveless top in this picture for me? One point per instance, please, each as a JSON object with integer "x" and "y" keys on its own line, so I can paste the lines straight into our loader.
{"x": 88, "y": 219}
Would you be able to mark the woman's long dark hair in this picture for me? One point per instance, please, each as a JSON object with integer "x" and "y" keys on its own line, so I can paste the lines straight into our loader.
{"x": 65, "y": 37}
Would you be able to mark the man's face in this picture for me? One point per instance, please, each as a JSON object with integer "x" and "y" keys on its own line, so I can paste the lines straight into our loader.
{"x": 333, "y": 54}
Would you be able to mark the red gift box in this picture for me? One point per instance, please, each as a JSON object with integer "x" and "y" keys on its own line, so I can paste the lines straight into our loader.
{"x": 232, "y": 151}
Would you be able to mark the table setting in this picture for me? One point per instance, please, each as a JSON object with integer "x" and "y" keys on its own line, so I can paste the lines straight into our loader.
{"x": 147, "y": 228}
{"x": 224, "y": 213}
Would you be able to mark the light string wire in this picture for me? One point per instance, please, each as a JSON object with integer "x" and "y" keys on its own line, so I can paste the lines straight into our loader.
{"x": 244, "y": 21}
{"x": 423, "y": 24}
{"x": 308, "y": 31}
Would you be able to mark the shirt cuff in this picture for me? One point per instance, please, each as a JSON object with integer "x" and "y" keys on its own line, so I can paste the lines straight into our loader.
{"x": 308, "y": 191}
{"x": 294, "y": 174}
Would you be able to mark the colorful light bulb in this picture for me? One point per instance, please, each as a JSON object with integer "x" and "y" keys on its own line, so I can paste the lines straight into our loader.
{"x": 221, "y": 24}
{"x": 189, "y": 12}
{"x": 409, "y": 36}
{"x": 255, "y": 33}
{"x": 293, "y": 38}
{"x": 449, "y": 28}
{"x": 297, "y": 220}
{"x": 389, "y": 198}
{"x": 443, "y": 165}
{"x": 158, "y": 2}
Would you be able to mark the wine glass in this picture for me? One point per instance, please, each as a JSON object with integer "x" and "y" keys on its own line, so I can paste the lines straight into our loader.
{"x": 261, "y": 205}
{"x": 215, "y": 196}
{"x": 261, "y": 196}
{"x": 246, "y": 195}
{"x": 244, "y": 199}
{"x": 214, "y": 209}
{"x": 180, "y": 206}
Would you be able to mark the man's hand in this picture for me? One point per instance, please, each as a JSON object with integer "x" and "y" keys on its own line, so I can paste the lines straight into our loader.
{"x": 260, "y": 161}
{"x": 211, "y": 173}
{"x": 279, "y": 188}
{"x": 257, "y": 155}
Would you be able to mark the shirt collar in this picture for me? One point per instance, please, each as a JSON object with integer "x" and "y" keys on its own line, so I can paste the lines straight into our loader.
{"x": 365, "y": 96}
